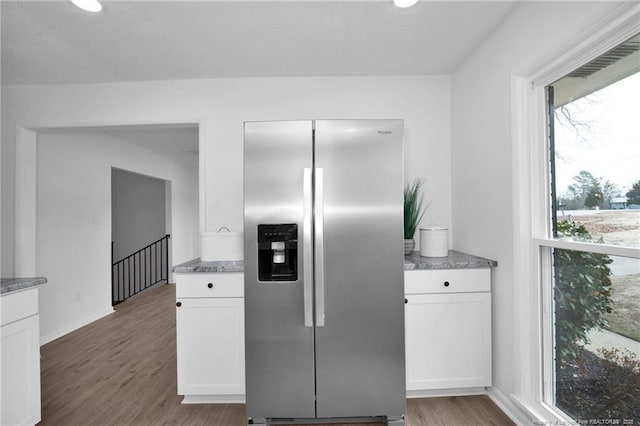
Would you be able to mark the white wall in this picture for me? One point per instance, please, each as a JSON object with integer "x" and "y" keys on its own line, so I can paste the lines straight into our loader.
{"x": 74, "y": 219}
{"x": 221, "y": 106}
{"x": 482, "y": 166}
{"x": 1, "y": 207}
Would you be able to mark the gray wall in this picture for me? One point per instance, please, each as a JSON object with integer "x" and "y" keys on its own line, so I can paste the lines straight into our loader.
{"x": 137, "y": 211}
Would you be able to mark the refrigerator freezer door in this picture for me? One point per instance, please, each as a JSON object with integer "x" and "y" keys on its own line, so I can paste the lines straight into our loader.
{"x": 279, "y": 348}
{"x": 360, "y": 349}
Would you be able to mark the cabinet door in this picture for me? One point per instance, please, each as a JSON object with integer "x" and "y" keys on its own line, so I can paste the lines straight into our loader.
{"x": 20, "y": 372}
{"x": 448, "y": 342}
{"x": 210, "y": 346}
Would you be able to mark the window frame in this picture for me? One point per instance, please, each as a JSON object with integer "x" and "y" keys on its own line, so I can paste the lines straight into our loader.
{"x": 533, "y": 236}
{"x": 546, "y": 247}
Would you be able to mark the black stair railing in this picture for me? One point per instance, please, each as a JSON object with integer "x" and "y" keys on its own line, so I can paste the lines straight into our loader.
{"x": 139, "y": 270}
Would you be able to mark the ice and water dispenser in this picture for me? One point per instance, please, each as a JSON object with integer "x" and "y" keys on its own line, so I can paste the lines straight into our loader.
{"x": 278, "y": 252}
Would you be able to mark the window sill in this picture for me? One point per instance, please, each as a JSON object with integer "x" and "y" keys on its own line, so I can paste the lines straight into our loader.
{"x": 540, "y": 413}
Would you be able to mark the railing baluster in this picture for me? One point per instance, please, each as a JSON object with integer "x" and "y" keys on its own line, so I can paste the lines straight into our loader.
{"x": 124, "y": 280}
{"x": 125, "y": 283}
{"x": 140, "y": 269}
{"x": 121, "y": 292}
{"x": 135, "y": 289}
{"x": 145, "y": 267}
{"x": 112, "y": 280}
{"x": 163, "y": 262}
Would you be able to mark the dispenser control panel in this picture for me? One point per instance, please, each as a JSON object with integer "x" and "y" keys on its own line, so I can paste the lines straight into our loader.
{"x": 278, "y": 252}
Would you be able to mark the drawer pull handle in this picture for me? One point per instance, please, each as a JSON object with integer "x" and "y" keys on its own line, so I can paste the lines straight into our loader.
{"x": 178, "y": 304}
{"x": 446, "y": 283}
{"x": 210, "y": 285}
{"x": 406, "y": 301}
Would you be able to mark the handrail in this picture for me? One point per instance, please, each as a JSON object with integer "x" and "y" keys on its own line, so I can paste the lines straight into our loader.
{"x": 139, "y": 270}
{"x": 142, "y": 249}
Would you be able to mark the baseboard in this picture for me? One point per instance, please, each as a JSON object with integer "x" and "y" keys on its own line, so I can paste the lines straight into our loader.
{"x": 446, "y": 392}
{"x": 213, "y": 399}
{"x": 517, "y": 413}
{"x": 513, "y": 411}
{"x": 74, "y": 326}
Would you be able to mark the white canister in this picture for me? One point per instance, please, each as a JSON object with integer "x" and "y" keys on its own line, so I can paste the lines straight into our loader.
{"x": 434, "y": 241}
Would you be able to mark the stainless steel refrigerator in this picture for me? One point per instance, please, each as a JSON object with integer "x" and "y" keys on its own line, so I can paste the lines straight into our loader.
{"x": 324, "y": 297}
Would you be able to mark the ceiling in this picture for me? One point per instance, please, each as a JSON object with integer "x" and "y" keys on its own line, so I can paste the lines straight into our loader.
{"x": 53, "y": 42}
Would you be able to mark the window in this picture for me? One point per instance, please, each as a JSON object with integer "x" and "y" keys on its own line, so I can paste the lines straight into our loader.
{"x": 591, "y": 257}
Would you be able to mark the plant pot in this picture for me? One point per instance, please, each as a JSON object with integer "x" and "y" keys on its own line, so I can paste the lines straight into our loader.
{"x": 409, "y": 245}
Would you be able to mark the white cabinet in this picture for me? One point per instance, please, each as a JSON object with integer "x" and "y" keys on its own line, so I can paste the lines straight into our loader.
{"x": 448, "y": 330}
{"x": 210, "y": 337}
{"x": 20, "y": 369}
{"x": 447, "y": 321}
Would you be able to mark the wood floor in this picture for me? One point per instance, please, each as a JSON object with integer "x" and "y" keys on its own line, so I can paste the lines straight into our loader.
{"x": 121, "y": 370}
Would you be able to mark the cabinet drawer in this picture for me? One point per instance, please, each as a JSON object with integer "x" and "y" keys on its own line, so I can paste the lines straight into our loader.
{"x": 447, "y": 281}
{"x": 18, "y": 305}
{"x": 210, "y": 285}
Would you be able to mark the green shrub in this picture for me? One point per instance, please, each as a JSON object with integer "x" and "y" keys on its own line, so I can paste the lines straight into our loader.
{"x": 582, "y": 293}
{"x": 605, "y": 386}
{"x": 620, "y": 384}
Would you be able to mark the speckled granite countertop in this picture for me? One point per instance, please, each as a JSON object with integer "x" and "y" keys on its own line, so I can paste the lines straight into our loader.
{"x": 414, "y": 261}
{"x": 7, "y": 285}
{"x": 199, "y": 266}
{"x": 455, "y": 260}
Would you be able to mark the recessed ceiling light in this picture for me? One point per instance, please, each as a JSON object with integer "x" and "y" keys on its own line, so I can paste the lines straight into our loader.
{"x": 404, "y": 3}
{"x": 88, "y": 5}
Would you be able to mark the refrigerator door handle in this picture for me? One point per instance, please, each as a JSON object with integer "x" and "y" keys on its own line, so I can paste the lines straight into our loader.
{"x": 319, "y": 247}
{"x": 307, "y": 248}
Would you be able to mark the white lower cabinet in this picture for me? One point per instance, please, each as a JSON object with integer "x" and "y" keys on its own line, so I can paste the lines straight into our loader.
{"x": 210, "y": 337}
{"x": 20, "y": 354}
{"x": 448, "y": 330}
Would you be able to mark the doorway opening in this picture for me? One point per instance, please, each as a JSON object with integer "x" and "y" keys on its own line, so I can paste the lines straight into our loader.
{"x": 140, "y": 232}
{"x": 73, "y": 225}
